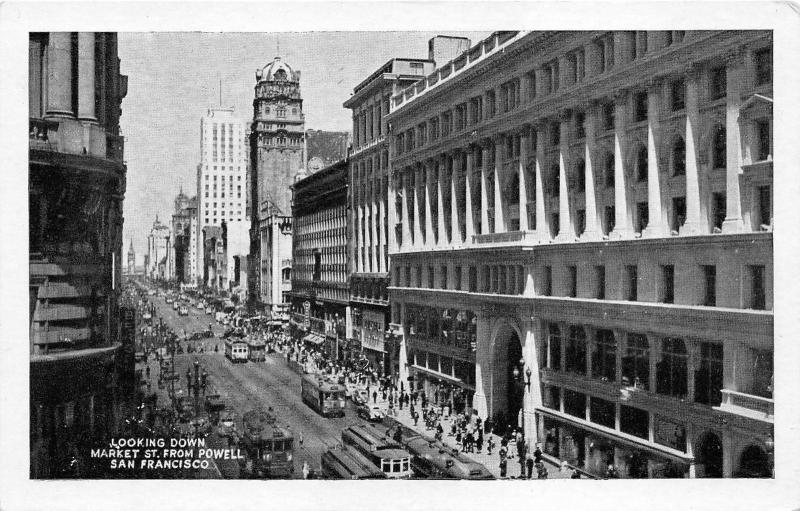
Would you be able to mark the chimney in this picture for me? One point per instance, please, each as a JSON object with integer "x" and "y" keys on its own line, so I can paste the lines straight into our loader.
{"x": 443, "y": 48}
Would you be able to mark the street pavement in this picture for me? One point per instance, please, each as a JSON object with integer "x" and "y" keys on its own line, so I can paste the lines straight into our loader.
{"x": 250, "y": 385}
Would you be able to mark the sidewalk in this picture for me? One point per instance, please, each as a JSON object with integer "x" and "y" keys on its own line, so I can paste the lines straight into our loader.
{"x": 491, "y": 462}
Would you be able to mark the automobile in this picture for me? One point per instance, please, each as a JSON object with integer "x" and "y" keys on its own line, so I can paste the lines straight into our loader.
{"x": 209, "y": 310}
{"x": 175, "y": 305}
{"x": 370, "y": 413}
{"x": 147, "y": 316}
{"x": 169, "y": 299}
{"x": 227, "y": 425}
{"x": 360, "y": 397}
{"x": 183, "y": 310}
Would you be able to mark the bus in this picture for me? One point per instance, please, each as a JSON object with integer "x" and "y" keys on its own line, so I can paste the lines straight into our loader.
{"x": 348, "y": 464}
{"x": 236, "y": 349}
{"x": 267, "y": 447}
{"x": 256, "y": 350}
{"x": 325, "y": 396}
{"x": 383, "y": 452}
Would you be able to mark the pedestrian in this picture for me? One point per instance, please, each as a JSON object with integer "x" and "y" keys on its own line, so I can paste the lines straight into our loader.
{"x": 522, "y": 460}
{"x": 300, "y": 439}
{"x": 306, "y": 470}
{"x": 458, "y": 437}
{"x": 503, "y": 460}
{"x": 415, "y": 415}
{"x": 529, "y": 465}
{"x": 489, "y": 445}
{"x": 479, "y": 441}
{"x": 374, "y": 397}
{"x": 537, "y": 454}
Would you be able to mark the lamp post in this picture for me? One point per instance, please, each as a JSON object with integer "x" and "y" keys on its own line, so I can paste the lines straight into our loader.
{"x": 522, "y": 384}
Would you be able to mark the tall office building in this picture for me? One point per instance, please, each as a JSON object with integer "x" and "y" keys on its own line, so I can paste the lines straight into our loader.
{"x": 221, "y": 179}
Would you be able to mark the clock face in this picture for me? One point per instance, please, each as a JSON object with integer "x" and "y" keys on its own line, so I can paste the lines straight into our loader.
{"x": 315, "y": 164}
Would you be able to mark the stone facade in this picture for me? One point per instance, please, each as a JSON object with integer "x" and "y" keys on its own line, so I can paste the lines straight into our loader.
{"x": 81, "y": 369}
{"x": 583, "y": 244}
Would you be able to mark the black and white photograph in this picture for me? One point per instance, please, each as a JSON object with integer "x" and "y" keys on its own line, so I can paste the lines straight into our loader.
{"x": 286, "y": 253}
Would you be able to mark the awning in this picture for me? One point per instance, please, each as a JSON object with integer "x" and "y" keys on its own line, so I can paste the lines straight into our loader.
{"x": 314, "y": 339}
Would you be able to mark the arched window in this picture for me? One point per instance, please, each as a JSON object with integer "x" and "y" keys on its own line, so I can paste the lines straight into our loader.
{"x": 554, "y": 347}
{"x": 678, "y": 155}
{"x": 718, "y": 149}
{"x": 671, "y": 372}
{"x": 576, "y": 350}
{"x": 641, "y": 164}
{"x": 604, "y": 357}
{"x": 636, "y": 362}
{"x": 608, "y": 170}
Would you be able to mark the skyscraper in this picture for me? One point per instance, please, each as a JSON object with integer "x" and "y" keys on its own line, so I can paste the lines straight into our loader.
{"x": 221, "y": 176}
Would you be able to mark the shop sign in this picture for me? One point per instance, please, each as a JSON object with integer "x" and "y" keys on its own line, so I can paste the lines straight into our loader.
{"x": 307, "y": 312}
{"x": 372, "y": 330}
{"x": 669, "y": 433}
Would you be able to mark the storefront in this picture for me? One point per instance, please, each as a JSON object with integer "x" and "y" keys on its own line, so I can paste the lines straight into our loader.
{"x": 595, "y": 450}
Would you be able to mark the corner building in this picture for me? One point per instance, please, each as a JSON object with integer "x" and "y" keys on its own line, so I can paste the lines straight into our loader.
{"x": 81, "y": 358}
{"x": 583, "y": 244}
{"x": 368, "y": 212}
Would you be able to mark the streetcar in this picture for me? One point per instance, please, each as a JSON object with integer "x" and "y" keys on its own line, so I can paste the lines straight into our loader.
{"x": 383, "y": 452}
{"x": 256, "y": 350}
{"x": 236, "y": 350}
{"x": 325, "y": 396}
{"x": 266, "y": 446}
{"x": 348, "y": 464}
{"x": 433, "y": 459}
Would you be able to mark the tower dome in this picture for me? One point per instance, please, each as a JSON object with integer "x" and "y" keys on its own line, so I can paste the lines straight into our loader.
{"x": 278, "y": 71}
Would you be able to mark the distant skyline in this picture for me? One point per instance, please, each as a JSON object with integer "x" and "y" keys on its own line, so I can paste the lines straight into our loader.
{"x": 174, "y": 77}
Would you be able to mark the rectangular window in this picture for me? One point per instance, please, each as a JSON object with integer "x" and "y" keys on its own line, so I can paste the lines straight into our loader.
{"x": 608, "y": 116}
{"x": 457, "y": 283}
{"x": 600, "y": 279}
{"x": 763, "y": 66}
{"x": 547, "y": 281}
{"x": 575, "y": 403}
{"x": 640, "y": 107}
{"x": 631, "y": 283}
{"x": 431, "y": 282}
{"x": 555, "y": 134}
{"x": 708, "y": 377}
{"x": 710, "y": 278}
{"x": 572, "y": 281}
{"x": 678, "y": 213}
{"x": 634, "y": 421}
{"x": 641, "y": 216}
{"x": 719, "y": 206}
{"x": 668, "y": 283}
{"x": 764, "y": 205}
{"x": 602, "y": 412}
{"x": 473, "y": 279}
{"x": 757, "y": 287}
{"x": 419, "y": 276}
{"x": 762, "y": 131}
{"x": 608, "y": 220}
{"x": 580, "y": 125}
{"x": 677, "y": 90}
{"x": 580, "y": 221}
{"x": 718, "y": 82}
{"x": 443, "y": 277}
{"x": 554, "y": 347}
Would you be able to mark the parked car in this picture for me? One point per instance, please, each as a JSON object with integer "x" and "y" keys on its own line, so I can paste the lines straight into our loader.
{"x": 370, "y": 413}
{"x": 175, "y": 305}
{"x": 183, "y": 310}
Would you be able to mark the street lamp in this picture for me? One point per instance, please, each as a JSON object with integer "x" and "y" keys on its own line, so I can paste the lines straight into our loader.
{"x": 517, "y": 372}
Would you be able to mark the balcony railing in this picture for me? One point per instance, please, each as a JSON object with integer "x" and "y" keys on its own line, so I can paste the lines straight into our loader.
{"x": 737, "y": 402}
{"x": 504, "y": 237}
{"x": 39, "y": 134}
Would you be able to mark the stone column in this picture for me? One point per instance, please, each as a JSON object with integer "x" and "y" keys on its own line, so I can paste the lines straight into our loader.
{"x": 469, "y": 226}
{"x": 533, "y": 390}
{"x": 455, "y": 213}
{"x": 523, "y": 179}
{"x": 430, "y": 240}
{"x": 499, "y": 202}
{"x": 591, "y": 232}
{"x": 406, "y": 224}
{"x": 566, "y": 231}
{"x": 373, "y": 218}
{"x": 656, "y": 222}
{"x": 420, "y": 205}
{"x": 484, "y": 195}
{"x": 86, "y": 76}
{"x": 622, "y": 229}
{"x": 483, "y": 366}
{"x": 441, "y": 166}
{"x": 59, "y": 75}
{"x": 592, "y": 61}
{"x": 542, "y": 231}
{"x": 733, "y": 143}
{"x": 693, "y": 225}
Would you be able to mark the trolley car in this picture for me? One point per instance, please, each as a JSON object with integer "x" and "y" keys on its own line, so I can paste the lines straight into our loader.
{"x": 348, "y": 464}
{"x": 236, "y": 349}
{"x": 267, "y": 447}
{"x": 256, "y": 350}
{"x": 384, "y": 453}
{"x": 325, "y": 396}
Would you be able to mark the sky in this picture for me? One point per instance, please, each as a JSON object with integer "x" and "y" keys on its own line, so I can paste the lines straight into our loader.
{"x": 174, "y": 77}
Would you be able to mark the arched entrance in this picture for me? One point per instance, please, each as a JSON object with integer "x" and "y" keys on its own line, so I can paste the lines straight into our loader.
{"x": 708, "y": 455}
{"x": 754, "y": 462}
{"x": 508, "y": 391}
